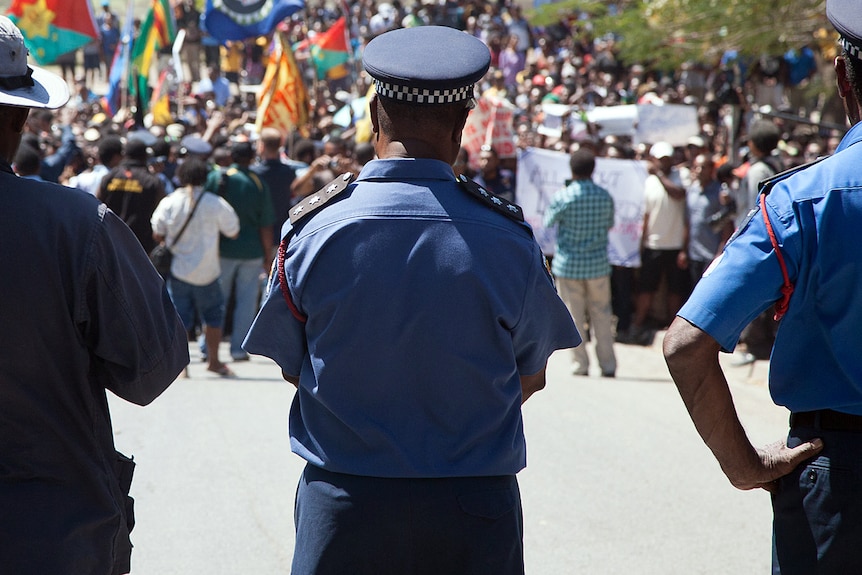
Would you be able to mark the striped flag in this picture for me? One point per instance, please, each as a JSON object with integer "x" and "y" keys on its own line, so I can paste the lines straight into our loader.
{"x": 329, "y": 51}
{"x": 158, "y": 30}
{"x": 53, "y": 27}
{"x": 283, "y": 100}
{"x": 112, "y": 99}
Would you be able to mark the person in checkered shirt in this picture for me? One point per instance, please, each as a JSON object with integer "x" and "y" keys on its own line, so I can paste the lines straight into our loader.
{"x": 583, "y": 213}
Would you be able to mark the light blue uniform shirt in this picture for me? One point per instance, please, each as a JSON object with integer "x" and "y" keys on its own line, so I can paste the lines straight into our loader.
{"x": 424, "y": 307}
{"x": 816, "y": 215}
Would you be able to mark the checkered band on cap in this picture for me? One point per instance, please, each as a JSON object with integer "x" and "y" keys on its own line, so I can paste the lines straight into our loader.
{"x": 850, "y": 47}
{"x": 423, "y": 95}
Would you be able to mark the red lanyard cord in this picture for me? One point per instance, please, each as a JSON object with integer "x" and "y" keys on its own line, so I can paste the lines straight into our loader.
{"x": 787, "y": 289}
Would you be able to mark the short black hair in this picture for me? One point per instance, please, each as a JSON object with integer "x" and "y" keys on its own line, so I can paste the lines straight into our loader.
{"x": 193, "y": 172}
{"x": 136, "y": 149}
{"x": 854, "y": 73}
{"x": 241, "y": 152}
{"x": 27, "y": 161}
{"x": 582, "y": 162}
{"x": 765, "y": 135}
{"x": 109, "y": 148}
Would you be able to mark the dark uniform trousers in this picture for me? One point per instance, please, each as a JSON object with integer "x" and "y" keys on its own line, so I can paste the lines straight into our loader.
{"x": 817, "y": 526}
{"x": 385, "y": 526}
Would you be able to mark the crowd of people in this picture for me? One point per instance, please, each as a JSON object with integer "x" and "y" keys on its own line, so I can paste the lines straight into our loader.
{"x": 564, "y": 63}
{"x": 410, "y": 397}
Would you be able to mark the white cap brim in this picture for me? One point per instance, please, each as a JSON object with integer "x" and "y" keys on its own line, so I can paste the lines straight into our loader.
{"x": 49, "y": 91}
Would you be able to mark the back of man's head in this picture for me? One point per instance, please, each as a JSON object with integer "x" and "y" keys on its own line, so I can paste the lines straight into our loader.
{"x": 136, "y": 150}
{"x": 242, "y": 153}
{"x": 110, "y": 148}
{"x": 270, "y": 138}
{"x": 764, "y": 135}
{"x": 27, "y": 161}
{"x": 193, "y": 172}
{"x": 302, "y": 150}
{"x": 582, "y": 162}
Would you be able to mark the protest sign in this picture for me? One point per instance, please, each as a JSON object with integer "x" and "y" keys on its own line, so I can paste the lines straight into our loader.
{"x": 541, "y": 173}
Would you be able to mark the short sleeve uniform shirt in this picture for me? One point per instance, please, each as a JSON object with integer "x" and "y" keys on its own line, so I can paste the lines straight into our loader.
{"x": 424, "y": 307}
{"x": 816, "y": 214}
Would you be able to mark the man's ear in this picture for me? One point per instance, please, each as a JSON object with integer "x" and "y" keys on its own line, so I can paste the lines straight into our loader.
{"x": 844, "y": 88}
{"x": 375, "y": 121}
{"x": 458, "y": 129}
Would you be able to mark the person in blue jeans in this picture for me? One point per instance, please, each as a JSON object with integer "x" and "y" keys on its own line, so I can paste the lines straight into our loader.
{"x": 247, "y": 257}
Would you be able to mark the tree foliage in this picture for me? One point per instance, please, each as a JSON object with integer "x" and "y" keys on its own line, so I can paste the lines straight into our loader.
{"x": 666, "y": 33}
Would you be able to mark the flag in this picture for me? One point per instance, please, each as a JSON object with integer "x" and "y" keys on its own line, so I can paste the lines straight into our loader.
{"x": 119, "y": 65}
{"x": 53, "y": 27}
{"x": 329, "y": 51}
{"x": 158, "y": 30}
{"x": 242, "y": 19}
{"x": 283, "y": 100}
{"x": 161, "y": 106}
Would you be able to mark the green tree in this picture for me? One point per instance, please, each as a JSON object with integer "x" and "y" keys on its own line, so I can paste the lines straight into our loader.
{"x": 665, "y": 33}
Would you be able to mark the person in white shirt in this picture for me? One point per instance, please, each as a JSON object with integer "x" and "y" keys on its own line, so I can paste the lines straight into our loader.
{"x": 110, "y": 155}
{"x": 194, "y": 284}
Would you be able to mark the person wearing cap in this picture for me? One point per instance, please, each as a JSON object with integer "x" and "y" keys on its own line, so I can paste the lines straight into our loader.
{"x": 132, "y": 191}
{"x": 244, "y": 258}
{"x": 414, "y": 313}
{"x": 796, "y": 250}
{"x": 663, "y": 249}
{"x": 85, "y": 312}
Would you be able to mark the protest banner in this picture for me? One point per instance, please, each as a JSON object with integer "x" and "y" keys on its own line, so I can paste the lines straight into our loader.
{"x": 541, "y": 173}
{"x": 672, "y": 123}
{"x": 490, "y": 122}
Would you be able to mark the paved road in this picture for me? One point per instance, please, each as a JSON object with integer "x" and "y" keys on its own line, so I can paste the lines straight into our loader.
{"x": 618, "y": 482}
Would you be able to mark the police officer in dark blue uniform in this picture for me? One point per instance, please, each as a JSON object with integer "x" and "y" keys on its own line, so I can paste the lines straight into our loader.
{"x": 799, "y": 249}
{"x": 83, "y": 312}
{"x": 415, "y": 315}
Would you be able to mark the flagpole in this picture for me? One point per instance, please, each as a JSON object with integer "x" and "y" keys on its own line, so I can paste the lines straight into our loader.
{"x": 124, "y": 78}
{"x": 354, "y": 64}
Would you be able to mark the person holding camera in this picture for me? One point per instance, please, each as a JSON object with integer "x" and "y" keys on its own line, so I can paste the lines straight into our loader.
{"x": 334, "y": 160}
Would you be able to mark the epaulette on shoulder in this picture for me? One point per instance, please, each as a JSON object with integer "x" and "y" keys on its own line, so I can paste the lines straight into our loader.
{"x": 505, "y": 207}
{"x": 765, "y": 186}
{"x": 318, "y": 199}
{"x": 231, "y": 171}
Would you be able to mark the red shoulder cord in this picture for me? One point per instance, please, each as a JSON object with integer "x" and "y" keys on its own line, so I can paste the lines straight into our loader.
{"x": 786, "y": 289}
{"x": 282, "y": 280}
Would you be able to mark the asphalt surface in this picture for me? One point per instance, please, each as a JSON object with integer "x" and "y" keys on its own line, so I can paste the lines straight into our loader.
{"x": 617, "y": 479}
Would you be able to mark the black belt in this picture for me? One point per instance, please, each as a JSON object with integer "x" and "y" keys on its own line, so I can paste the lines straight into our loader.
{"x": 827, "y": 419}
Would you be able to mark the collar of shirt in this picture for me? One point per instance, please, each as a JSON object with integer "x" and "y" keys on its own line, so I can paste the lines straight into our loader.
{"x": 407, "y": 169}
{"x": 851, "y": 137}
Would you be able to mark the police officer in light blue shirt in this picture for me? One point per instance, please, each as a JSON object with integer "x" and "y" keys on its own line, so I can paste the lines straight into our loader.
{"x": 415, "y": 315}
{"x": 800, "y": 249}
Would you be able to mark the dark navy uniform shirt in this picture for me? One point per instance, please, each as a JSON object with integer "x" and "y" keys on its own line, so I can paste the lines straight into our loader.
{"x": 82, "y": 311}
{"x": 424, "y": 307}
